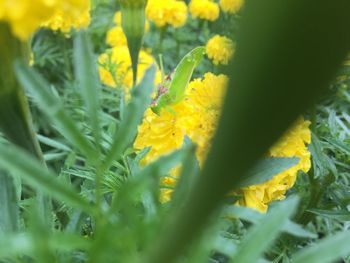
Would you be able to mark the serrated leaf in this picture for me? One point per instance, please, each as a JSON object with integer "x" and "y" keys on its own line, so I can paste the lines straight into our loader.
{"x": 340, "y": 215}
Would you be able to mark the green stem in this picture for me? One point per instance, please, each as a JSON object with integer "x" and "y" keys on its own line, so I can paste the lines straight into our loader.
{"x": 162, "y": 33}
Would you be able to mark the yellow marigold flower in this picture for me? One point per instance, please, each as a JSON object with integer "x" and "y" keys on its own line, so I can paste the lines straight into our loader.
{"x": 231, "y": 6}
{"x": 292, "y": 144}
{"x": 116, "y": 37}
{"x": 204, "y": 9}
{"x": 220, "y": 49}
{"x": 26, "y": 16}
{"x": 118, "y": 18}
{"x": 205, "y": 97}
{"x": 115, "y": 67}
{"x": 73, "y": 14}
{"x": 167, "y": 12}
{"x": 196, "y": 117}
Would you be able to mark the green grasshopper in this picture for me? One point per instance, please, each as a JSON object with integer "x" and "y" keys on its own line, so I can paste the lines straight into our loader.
{"x": 172, "y": 90}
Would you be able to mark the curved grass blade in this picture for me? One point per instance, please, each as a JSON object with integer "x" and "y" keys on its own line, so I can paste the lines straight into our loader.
{"x": 256, "y": 93}
{"x": 54, "y": 109}
{"x": 325, "y": 251}
{"x": 17, "y": 161}
{"x": 86, "y": 72}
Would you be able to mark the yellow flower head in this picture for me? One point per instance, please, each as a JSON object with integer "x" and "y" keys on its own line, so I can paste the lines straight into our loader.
{"x": 231, "y": 6}
{"x": 70, "y": 14}
{"x": 167, "y": 12}
{"x": 204, "y": 9}
{"x": 205, "y": 97}
{"x": 26, "y": 16}
{"x": 220, "y": 49}
{"x": 195, "y": 116}
{"x": 116, "y": 37}
{"x": 292, "y": 144}
{"x": 115, "y": 67}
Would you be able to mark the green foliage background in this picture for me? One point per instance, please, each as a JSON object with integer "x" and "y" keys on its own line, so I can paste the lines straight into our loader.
{"x": 108, "y": 211}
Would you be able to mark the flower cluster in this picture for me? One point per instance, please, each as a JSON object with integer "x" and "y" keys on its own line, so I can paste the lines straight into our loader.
{"x": 26, "y": 16}
{"x": 204, "y": 9}
{"x": 231, "y": 6}
{"x": 167, "y": 12}
{"x": 220, "y": 49}
{"x": 115, "y": 67}
{"x": 195, "y": 116}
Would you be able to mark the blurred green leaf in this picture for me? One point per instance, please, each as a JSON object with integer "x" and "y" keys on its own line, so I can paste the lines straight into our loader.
{"x": 52, "y": 106}
{"x": 262, "y": 235}
{"x": 9, "y": 216}
{"x": 255, "y": 217}
{"x": 32, "y": 171}
{"x": 340, "y": 215}
{"x": 325, "y": 251}
{"x": 265, "y": 169}
{"x": 140, "y": 100}
{"x": 88, "y": 82}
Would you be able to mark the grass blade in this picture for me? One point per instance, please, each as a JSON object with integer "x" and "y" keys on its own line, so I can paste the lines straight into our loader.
{"x": 86, "y": 72}
{"x": 54, "y": 109}
{"x": 16, "y": 161}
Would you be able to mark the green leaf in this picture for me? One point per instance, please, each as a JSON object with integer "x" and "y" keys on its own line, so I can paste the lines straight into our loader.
{"x": 24, "y": 244}
{"x": 140, "y": 100}
{"x": 17, "y": 161}
{"x": 9, "y": 216}
{"x": 328, "y": 250}
{"x": 88, "y": 82}
{"x": 340, "y": 215}
{"x": 266, "y": 169}
{"x": 180, "y": 80}
{"x": 54, "y": 109}
{"x": 262, "y": 235}
{"x": 254, "y": 217}
{"x": 53, "y": 143}
{"x": 189, "y": 172}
